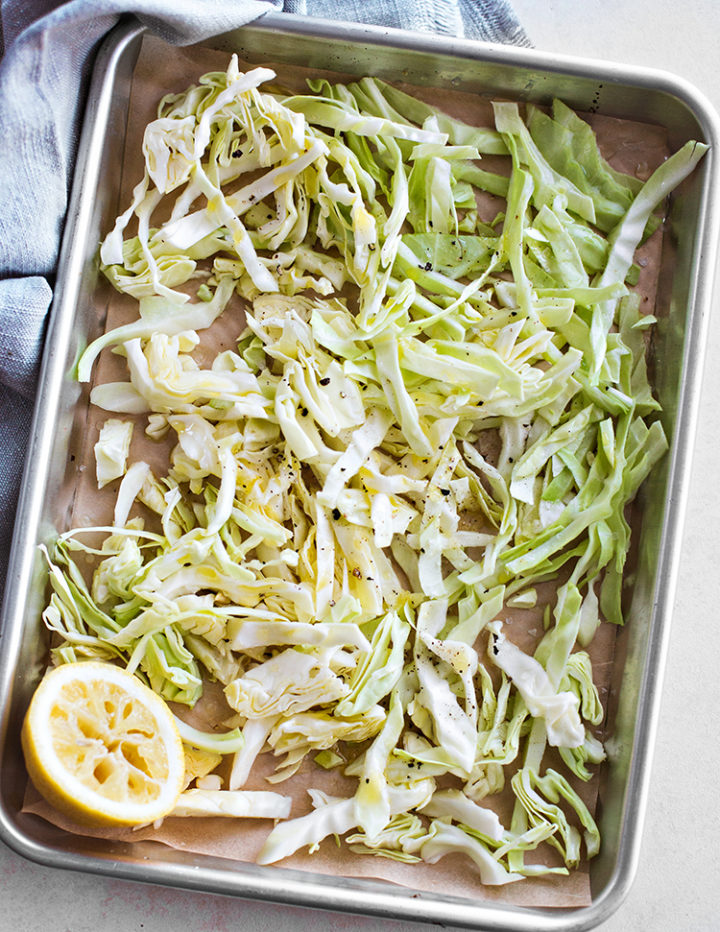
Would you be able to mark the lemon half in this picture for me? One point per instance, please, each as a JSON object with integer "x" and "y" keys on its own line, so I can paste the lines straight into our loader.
{"x": 102, "y": 747}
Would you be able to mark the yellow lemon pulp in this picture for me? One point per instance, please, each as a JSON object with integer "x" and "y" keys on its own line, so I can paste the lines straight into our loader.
{"x": 102, "y": 747}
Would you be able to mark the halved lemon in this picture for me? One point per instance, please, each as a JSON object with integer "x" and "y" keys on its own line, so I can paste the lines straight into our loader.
{"x": 102, "y": 747}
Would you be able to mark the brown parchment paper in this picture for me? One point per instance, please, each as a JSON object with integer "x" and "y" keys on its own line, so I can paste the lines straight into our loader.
{"x": 632, "y": 147}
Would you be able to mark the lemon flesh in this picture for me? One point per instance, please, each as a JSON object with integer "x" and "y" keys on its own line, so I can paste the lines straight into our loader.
{"x": 101, "y": 747}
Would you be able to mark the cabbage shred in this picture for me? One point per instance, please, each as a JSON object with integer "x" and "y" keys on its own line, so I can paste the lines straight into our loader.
{"x": 427, "y": 416}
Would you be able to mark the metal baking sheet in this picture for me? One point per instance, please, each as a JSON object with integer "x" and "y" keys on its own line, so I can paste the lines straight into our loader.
{"x": 47, "y": 492}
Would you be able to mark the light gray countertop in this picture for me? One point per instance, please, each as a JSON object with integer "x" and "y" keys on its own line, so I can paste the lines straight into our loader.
{"x": 676, "y": 885}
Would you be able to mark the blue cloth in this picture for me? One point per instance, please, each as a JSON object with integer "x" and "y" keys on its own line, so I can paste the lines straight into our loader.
{"x": 48, "y": 56}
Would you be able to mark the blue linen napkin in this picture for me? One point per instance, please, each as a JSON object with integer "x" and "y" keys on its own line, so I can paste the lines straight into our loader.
{"x": 48, "y": 57}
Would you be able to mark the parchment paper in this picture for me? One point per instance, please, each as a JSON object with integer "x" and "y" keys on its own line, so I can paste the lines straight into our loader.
{"x": 633, "y": 147}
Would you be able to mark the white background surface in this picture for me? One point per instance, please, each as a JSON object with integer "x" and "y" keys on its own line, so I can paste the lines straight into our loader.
{"x": 676, "y": 886}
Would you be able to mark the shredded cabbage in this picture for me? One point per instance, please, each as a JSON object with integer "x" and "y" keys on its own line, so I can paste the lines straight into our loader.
{"x": 235, "y": 804}
{"x": 432, "y": 410}
{"x": 112, "y": 449}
